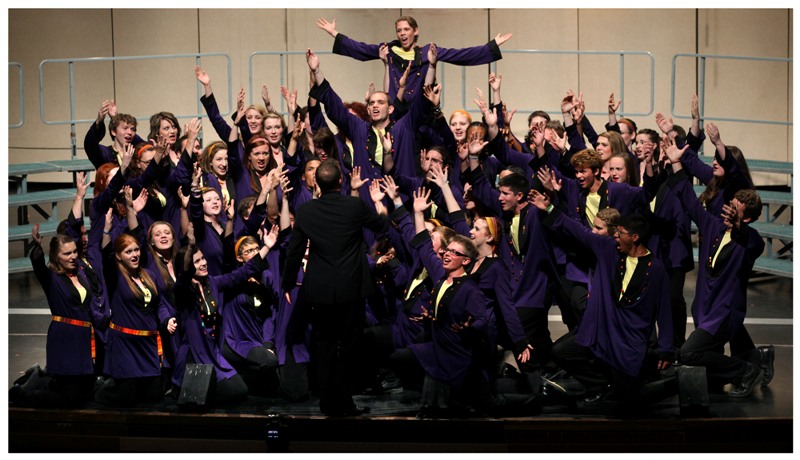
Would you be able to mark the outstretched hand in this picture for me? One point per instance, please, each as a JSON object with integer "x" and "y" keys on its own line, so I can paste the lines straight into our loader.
{"x": 329, "y": 27}
{"x": 421, "y": 202}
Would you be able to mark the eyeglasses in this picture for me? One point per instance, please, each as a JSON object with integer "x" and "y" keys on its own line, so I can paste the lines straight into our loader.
{"x": 620, "y": 232}
{"x": 455, "y": 253}
{"x": 247, "y": 252}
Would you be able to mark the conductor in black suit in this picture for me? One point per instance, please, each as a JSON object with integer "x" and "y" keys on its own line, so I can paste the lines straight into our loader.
{"x": 336, "y": 282}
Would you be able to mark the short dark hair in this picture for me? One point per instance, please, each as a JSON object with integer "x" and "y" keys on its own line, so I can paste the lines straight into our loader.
{"x": 328, "y": 175}
{"x": 469, "y": 247}
{"x": 751, "y": 201}
{"x": 518, "y": 183}
{"x": 637, "y": 224}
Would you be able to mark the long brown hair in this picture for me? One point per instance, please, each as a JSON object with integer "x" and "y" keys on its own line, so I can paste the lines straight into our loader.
{"x": 207, "y": 157}
{"x": 718, "y": 184}
{"x": 55, "y": 246}
{"x": 254, "y": 142}
{"x": 101, "y": 181}
{"x": 120, "y": 244}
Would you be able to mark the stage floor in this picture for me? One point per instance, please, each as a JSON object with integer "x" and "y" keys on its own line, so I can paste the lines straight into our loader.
{"x": 761, "y": 422}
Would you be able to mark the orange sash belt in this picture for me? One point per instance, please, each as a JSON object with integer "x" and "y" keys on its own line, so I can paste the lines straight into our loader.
{"x": 77, "y": 322}
{"x": 140, "y": 333}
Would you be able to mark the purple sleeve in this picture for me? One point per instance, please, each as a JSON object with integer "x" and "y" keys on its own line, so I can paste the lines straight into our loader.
{"x": 588, "y": 130}
{"x": 694, "y": 166}
{"x": 91, "y": 144}
{"x": 360, "y": 51}
{"x": 483, "y": 192}
{"x": 335, "y": 109}
{"x": 423, "y": 245}
{"x": 236, "y": 160}
{"x": 212, "y": 109}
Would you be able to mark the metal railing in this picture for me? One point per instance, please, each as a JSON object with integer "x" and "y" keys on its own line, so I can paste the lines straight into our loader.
{"x": 620, "y": 93}
{"x": 282, "y": 56}
{"x": 71, "y": 67}
{"x": 21, "y": 93}
{"x": 701, "y": 83}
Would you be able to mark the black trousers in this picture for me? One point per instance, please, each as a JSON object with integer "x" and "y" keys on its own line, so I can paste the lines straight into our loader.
{"x": 535, "y": 323}
{"x": 592, "y": 372}
{"x": 336, "y": 330}
{"x": 705, "y": 349}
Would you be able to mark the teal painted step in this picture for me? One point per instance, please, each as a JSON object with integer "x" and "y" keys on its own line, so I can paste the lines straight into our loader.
{"x": 47, "y": 196}
{"x": 46, "y": 229}
{"x": 23, "y": 169}
{"x": 770, "y": 166}
{"x": 769, "y": 230}
{"x": 772, "y": 266}
{"x": 74, "y": 165}
{"x": 21, "y": 265}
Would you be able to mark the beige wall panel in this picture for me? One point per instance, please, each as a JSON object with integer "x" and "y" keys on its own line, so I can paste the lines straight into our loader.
{"x": 238, "y": 33}
{"x": 145, "y": 87}
{"x": 536, "y": 81}
{"x": 749, "y": 89}
{"x": 663, "y": 33}
{"x": 36, "y": 35}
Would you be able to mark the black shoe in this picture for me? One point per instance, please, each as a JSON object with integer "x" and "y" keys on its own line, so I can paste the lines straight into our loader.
{"x": 392, "y": 385}
{"x": 767, "y": 363}
{"x": 554, "y": 394}
{"x": 750, "y": 379}
{"x": 597, "y": 397}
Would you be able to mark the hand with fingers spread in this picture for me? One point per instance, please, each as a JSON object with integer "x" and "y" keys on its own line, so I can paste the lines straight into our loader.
{"x": 391, "y": 189}
{"x": 433, "y": 54}
{"x": 559, "y": 143}
{"x": 672, "y": 151}
{"x": 421, "y": 202}
{"x": 713, "y": 134}
{"x": 271, "y": 237}
{"x": 125, "y": 158}
{"x": 329, "y": 27}
{"x": 240, "y": 107}
{"x": 265, "y": 97}
{"x": 540, "y": 200}
{"x": 438, "y": 176}
{"x": 476, "y": 143}
{"x": 355, "y": 178}
{"x": 664, "y": 123}
{"x": 291, "y": 99}
{"x": 423, "y": 316}
{"x": 433, "y": 94}
{"x": 375, "y": 191}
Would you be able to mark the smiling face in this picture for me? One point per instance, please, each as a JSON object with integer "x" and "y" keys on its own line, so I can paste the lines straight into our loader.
{"x": 200, "y": 265}
{"x": 617, "y": 171}
{"x": 479, "y": 233}
{"x": 161, "y": 237}
{"x": 212, "y": 204}
{"x": 454, "y": 257}
{"x": 168, "y": 131}
{"x": 458, "y": 125}
{"x": 129, "y": 256}
{"x": 219, "y": 164}
{"x": 379, "y": 108}
{"x": 124, "y": 133}
{"x": 254, "y": 120}
{"x": 68, "y": 256}
{"x": 273, "y": 130}
{"x": 406, "y": 34}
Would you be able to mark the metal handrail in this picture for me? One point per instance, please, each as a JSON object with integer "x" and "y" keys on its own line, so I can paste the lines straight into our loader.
{"x": 620, "y": 94}
{"x": 21, "y": 94}
{"x": 73, "y": 61}
{"x": 701, "y": 87}
{"x": 282, "y": 55}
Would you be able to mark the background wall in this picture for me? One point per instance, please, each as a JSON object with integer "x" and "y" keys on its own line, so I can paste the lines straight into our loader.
{"x": 734, "y": 89}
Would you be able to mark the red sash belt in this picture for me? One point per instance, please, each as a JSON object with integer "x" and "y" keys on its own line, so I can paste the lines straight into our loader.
{"x": 77, "y": 322}
{"x": 140, "y": 333}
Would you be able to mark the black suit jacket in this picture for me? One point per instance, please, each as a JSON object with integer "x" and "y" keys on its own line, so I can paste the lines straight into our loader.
{"x": 337, "y": 270}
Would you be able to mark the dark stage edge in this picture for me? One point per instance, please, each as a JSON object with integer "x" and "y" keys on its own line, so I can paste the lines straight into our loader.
{"x": 273, "y": 425}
